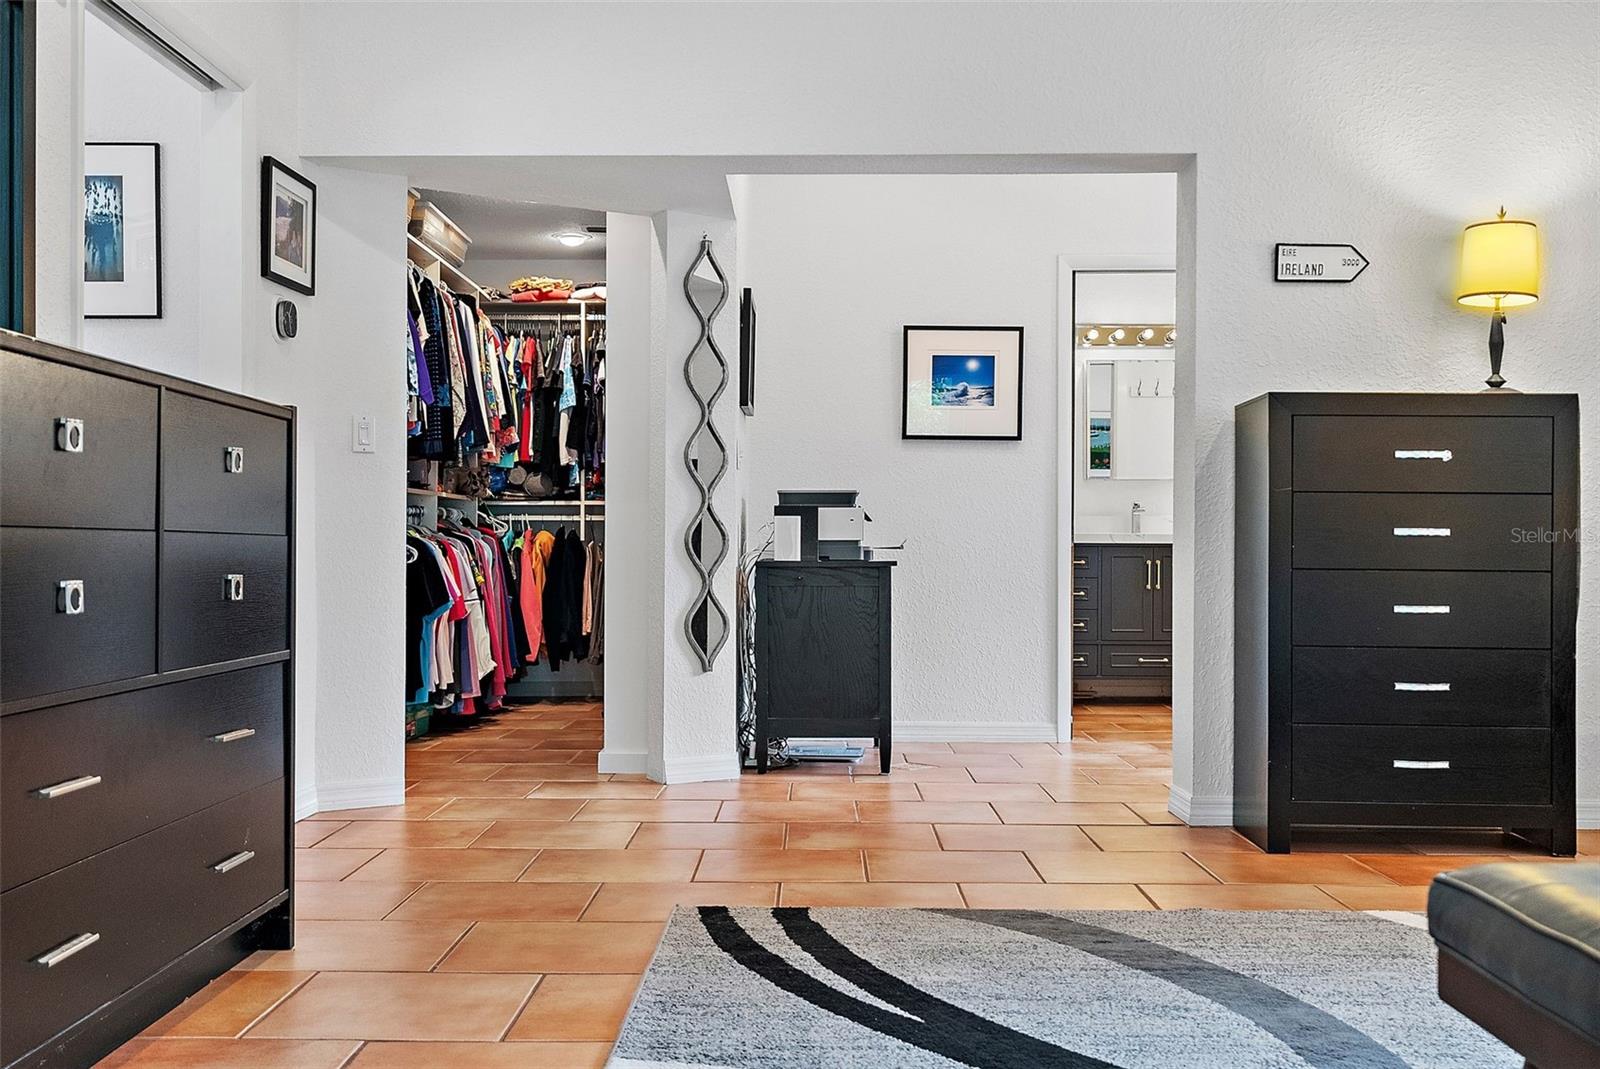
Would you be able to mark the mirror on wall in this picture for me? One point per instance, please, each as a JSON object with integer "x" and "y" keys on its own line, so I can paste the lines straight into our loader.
{"x": 1100, "y": 383}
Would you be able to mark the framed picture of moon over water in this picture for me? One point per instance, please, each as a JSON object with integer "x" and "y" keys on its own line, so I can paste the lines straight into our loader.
{"x": 962, "y": 382}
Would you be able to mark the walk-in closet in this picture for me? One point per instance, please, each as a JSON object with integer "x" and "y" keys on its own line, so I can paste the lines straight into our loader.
{"x": 506, "y": 432}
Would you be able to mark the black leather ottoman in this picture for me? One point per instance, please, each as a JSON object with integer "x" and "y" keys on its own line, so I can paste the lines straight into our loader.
{"x": 1519, "y": 953}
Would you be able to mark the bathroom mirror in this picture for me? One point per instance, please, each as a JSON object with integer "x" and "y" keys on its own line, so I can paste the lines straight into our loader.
{"x": 1099, "y": 384}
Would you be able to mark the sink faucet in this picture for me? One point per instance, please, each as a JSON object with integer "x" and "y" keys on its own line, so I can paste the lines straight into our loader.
{"x": 1138, "y": 510}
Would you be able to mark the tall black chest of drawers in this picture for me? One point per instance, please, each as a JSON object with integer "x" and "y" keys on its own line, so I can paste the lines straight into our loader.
{"x": 146, "y": 695}
{"x": 1405, "y": 611}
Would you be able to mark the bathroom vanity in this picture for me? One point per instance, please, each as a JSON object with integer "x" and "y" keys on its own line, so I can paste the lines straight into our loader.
{"x": 1122, "y": 616}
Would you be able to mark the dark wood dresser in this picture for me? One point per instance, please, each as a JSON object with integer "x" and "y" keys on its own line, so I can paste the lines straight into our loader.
{"x": 1122, "y": 619}
{"x": 1405, "y": 611}
{"x": 146, "y": 695}
{"x": 823, "y": 646}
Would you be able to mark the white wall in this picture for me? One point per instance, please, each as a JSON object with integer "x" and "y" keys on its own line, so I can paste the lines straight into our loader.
{"x": 1116, "y": 297}
{"x": 839, "y": 264}
{"x": 132, "y": 96}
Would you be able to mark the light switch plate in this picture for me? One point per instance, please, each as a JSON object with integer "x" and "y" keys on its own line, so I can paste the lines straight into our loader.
{"x": 361, "y": 435}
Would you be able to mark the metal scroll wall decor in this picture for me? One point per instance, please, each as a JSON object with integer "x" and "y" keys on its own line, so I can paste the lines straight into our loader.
{"x": 707, "y": 623}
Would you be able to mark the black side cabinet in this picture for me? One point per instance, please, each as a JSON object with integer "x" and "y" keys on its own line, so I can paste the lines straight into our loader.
{"x": 1405, "y": 613}
{"x": 822, "y": 652}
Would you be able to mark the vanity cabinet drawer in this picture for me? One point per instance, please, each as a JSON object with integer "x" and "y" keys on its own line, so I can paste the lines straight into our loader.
{"x": 223, "y": 468}
{"x": 1141, "y": 661}
{"x": 77, "y": 779}
{"x": 106, "y": 477}
{"x": 1490, "y": 532}
{"x": 1085, "y": 625}
{"x": 1085, "y": 593}
{"x": 1481, "y": 688}
{"x": 206, "y": 616}
{"x": 1425, "y": 454}
{"x": 97, "y": 628}
{"x": 1085, "y": 661}
{"x": 1085, "y": 561}
{"x": 1478, "y": 766}
{"x": 1504, "y": 610}
{"x": 132, "y": 909}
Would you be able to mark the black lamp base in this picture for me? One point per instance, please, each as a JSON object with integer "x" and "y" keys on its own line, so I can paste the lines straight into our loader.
{"x": 1497, "y": 348}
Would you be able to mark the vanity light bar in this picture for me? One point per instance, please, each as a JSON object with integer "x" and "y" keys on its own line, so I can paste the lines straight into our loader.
{"x": 1126, "y": 335}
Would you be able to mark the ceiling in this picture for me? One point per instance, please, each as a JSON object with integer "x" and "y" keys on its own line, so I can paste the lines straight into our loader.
{"x": 519, "y": 230}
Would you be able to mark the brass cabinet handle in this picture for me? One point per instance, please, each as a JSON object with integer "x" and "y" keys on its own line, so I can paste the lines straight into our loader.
{"x": 1158, "y": 575}
{"x": 1080, "y": 625}
{"x": 1147, "y": 585}
{"x": 1080, "y": 562}
{"x": 228, "y": 864}
{"x": 1080, "y": 593}
{"x": 56, "y": 790}
{"x": 1155, "y": 660}
{"x": 1080, "y": 659}
{"x": 56, "y": 955}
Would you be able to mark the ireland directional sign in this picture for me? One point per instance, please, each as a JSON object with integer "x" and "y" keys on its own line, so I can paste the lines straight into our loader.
{"x": 1307, "y": 262}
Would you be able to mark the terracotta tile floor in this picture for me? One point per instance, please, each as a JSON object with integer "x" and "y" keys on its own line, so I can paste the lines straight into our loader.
{"x": 502, "y": 916}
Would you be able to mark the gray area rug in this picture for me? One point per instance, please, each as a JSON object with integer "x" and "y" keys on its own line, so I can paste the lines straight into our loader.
{"x": 1024, "y": 989}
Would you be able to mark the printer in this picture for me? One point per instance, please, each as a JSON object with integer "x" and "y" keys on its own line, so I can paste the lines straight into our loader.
{"x": 819, "y": 525}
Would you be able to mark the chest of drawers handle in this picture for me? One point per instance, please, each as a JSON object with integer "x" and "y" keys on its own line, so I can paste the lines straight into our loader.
{"x": 228, "y": 864}
{"x": 1398, "y": 763}
{"x": 69, "y": 597}
{"x": 1424, "y": 454}
{"x": 233, "y": 459}
{"x": 1422, "y": 687}
{"x": 244, "y": 733}
{"x": 56, "y": 790}
{"x": 69, "y": 434}
{"x": 1422, "y": 610}
{"x": 233, "y": 588}
{"x": 1422, "y": 532}
{"x": 1155, "y": 660}
{"x": 55, "y": 956}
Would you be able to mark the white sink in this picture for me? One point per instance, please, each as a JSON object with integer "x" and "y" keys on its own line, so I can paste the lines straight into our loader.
{"x": 1120, "y": 537}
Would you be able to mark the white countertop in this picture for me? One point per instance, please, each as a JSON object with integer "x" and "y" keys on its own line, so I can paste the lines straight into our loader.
{"x": 1121, "y": 537}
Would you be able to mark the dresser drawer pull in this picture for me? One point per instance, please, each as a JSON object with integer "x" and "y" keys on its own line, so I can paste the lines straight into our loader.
{"x": 244, "y": 733}
{"x": 51, "y": 958}
{"x": 69, "y": 434}
{"x": 1424, "y": 454}
{"x": 1155, "y": 660}
{"x": 230, "y": 863}
{"x": 1422, "y": 687}
{"x": 1421, "y": 764}
{"x": 69, "y": 597}
{"x": 233, "y": 459}
{"x": 56, "y": 790}
{"x": 233, "y": 588}
{"x": 1422, "y": 532}
{"x": 1422, "y": 610}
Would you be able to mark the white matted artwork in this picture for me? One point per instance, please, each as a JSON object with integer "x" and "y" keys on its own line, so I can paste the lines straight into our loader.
{"x": 121, "y": 230}
{"x": 962, "y": 382}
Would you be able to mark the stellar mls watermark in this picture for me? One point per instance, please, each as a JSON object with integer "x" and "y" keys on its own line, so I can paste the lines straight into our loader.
{"x": 1546, "y": 535}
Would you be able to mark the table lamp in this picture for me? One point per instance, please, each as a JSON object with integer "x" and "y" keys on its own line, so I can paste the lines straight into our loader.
{"x": 1499, "y": 270}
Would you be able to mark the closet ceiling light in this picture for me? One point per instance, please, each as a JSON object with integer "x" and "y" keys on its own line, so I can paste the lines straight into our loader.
{"x": 571, "y": 238}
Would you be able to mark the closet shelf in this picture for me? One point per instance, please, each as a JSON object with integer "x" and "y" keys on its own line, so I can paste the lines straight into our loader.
{"x": 418, "y": 252}
{"x": 422, "y": 491}
{"x": 495, "y": 308}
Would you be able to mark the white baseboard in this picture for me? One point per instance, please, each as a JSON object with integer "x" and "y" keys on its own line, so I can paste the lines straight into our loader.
{"x": 700, "y": 769}
{"x": 622, "y": 760}
{"x": 1588, "y": 813}
{"x": 951, "y": 731}
{"x": 360, "y": 794}
{"x": 1214, "y": 812}
{"x": 305, "y": 800}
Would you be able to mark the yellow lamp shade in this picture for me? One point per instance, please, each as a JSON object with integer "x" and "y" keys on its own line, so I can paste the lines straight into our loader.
{"x": 1499, "y": 264}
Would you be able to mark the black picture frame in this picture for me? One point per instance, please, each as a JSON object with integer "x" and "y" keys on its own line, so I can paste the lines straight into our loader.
{"x": 271, "y": 169}
{"x": 156, "y": 311}
{"x": 905, "y": 384}
{"x": 747, "y": 352}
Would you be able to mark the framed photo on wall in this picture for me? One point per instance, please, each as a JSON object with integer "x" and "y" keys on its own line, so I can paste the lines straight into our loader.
{"x": 288, "y": 227}
{"x": 962, "y": 382}
{"x": 121, "y": 230}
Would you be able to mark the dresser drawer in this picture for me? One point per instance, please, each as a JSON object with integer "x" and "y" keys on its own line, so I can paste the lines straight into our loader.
{"x": 48, "y": 648}
{"x": 1085, "y": 661}
{"x": 203, "y": 491}
{"x": 157, "y": 754}
{"x": 199, "y": 622}
{"x": 109, "y": 482}
{"x": 1477, "y": 766}
{"x": 1086, "y": 561}
{"x": 1493, "y": 610}
{"x": 1428, "y": 454}
{"x": 148, "y": 901}
{"x": 1085, "y": 593}
{"x": 1479, "y": 688}
{"x": 1138, "y": 661}
{"x": 1085, "y": 624}
{"x": 1490, "y": 532}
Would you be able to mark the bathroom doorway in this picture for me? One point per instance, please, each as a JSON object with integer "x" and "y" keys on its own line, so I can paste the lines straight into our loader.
{"x": 1119, "y": 351}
